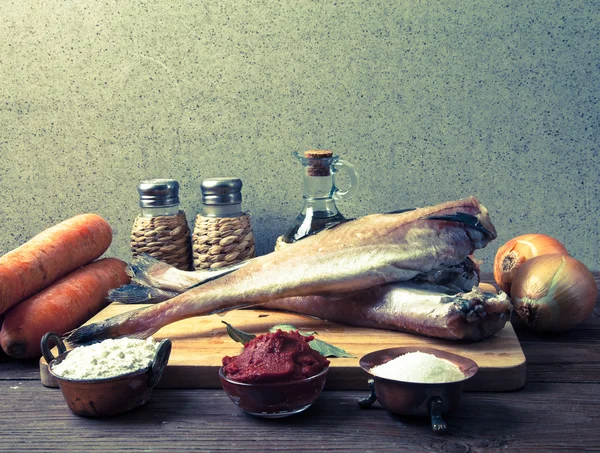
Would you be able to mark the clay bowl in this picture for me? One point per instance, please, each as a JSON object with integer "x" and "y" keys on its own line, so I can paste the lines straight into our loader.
{"x": 411, "y": 398}
{"x": 274, "y": 400}
{"x": 106, "y": 396}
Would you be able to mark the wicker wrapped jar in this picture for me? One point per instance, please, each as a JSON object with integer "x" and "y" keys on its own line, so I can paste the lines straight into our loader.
{"x": 161, "y": 230}
{"x": 222, "y": 232}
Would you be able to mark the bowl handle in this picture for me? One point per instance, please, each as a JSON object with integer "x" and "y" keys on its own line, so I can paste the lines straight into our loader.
{"x": 367, "y": 401}
{"x": 45, "y": 345}
{"x": 435, "y": 412}
{"x": 160, "y": 362}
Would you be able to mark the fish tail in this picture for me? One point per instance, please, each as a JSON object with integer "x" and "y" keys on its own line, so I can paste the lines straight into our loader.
{"x": 148, "y": 271}
{"x": 142, "y": 264}
{"x": 133, "y": 324}
{"x": 138, "y": 294}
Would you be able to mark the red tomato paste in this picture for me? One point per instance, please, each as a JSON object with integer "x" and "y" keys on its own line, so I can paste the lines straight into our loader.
{"x": 275, "y": 357}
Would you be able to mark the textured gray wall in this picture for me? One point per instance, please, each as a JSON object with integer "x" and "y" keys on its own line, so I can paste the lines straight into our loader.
{"x": 431, "y": 100}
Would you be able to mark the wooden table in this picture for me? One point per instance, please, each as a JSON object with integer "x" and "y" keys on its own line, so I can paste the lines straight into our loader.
{"x": 557, "y": 411}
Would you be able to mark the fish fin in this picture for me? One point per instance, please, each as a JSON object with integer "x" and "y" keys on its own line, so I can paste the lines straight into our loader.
{"x": 138, "y": 294}
{"x": 223, "y": 311}
{"x": 401, "y": 211}
{"x": 467, "y": 219}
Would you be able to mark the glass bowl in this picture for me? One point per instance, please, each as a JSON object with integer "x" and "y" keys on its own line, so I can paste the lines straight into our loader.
{"x": 274, "y": 400}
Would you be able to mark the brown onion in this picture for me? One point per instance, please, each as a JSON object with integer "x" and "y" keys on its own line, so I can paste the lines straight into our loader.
{"x": 511, "y": 256}
{"x": 554, "y": 293}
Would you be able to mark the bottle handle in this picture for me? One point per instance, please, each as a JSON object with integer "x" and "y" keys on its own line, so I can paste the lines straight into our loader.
{"x": 348, "y": 168}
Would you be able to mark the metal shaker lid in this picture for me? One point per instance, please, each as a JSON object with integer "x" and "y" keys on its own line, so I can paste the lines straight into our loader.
{"x": 158, "y": 193}
{"x": 217, "y": 191}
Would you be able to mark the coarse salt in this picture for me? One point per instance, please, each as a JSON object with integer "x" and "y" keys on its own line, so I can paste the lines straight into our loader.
{"x": 419, "y": 367}
{"x": 106, "y": 359}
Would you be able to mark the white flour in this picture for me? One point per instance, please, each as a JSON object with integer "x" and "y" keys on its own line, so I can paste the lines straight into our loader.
{"x": 419, "y": 367}
{"x": 108, "y": 358}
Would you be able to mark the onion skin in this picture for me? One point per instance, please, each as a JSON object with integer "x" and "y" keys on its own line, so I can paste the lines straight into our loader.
{"x": 554, "y": 293}
{"x": 512, "y": 255}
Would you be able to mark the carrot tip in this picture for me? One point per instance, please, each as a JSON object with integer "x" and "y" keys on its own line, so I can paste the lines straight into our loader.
{"x": 16, "y": 349}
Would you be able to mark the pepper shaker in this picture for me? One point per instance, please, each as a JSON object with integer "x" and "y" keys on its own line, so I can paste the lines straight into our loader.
{"x": 161, "y": 229}
{"x": 222, "y": 231}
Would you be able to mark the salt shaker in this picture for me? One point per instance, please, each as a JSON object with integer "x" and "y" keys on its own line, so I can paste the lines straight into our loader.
{"x": 161, "y": 229}
{"x": 222, "y": 231}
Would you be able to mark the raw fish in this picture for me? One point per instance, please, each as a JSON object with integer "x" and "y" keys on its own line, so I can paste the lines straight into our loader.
{"x": 432, "y": 244}
{"x": 414, "y": 307}
{"x": 417, "y": 307}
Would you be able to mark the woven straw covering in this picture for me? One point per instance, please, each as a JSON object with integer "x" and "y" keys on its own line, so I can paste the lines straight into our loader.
{"x": 166, "y": 238}
{"x": 221, "y": 241}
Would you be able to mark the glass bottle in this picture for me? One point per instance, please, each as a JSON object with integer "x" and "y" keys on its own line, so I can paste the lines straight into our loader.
{"x": 161, "y": 229}
{"x": 319, "y": 209}
{"x": 222, "y": 231}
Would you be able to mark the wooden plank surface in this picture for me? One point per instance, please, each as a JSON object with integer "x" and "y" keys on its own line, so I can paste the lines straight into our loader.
{"x": 556, "y": 412}
{"x": 200, "y": 343}
{"x": 539, "y": 418}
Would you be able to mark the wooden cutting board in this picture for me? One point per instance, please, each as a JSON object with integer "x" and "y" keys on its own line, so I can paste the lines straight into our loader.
{"x": 200, "y": 343}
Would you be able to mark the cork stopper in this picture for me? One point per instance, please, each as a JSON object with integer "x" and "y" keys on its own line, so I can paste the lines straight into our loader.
{"x": 318, "y": 154}
{"x": 318, "y": 167}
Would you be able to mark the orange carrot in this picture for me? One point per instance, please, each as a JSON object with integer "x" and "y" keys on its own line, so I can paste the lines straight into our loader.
{"x": 50, "y": 255}
{"x": 61, "y": 307}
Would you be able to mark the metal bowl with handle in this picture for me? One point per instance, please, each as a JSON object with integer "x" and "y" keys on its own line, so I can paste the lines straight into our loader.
{"x": 416, "y": 398}
{"x": 106, "y": 396}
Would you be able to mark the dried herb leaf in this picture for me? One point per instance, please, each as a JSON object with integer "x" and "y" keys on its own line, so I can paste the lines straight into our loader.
{"x": 324, "y": 348}
{"x": 328, "y": 350}
{"x": 238, "y": 335}
{"x": 289, "y": 328}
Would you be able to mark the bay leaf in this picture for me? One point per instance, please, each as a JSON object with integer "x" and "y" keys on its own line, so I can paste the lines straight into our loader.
{"x": 324, "y": 348}
{"x": 238, "y": 335}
